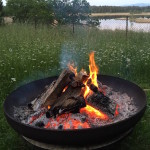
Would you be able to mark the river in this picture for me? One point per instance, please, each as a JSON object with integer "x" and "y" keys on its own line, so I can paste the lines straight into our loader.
{"x": 113, "y": 24}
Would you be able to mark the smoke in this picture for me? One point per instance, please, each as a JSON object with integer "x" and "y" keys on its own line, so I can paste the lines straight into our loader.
{"x": 68, "y": 55}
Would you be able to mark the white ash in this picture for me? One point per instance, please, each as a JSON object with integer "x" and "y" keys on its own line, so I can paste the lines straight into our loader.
{"x": 21, "y": 113}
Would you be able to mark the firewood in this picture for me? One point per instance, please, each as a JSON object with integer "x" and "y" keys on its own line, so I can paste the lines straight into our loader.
{"x": 76, "y": 84}
{"x": 55, "y": 95}
{"x": 78, "y": 81}
{"x": 53, "y": 91}
{"x": 82, "y": 76}
{"x": 98, "y": 99}
{"x": 70, "y": 101}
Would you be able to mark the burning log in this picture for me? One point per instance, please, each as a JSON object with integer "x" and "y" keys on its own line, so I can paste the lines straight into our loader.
{"x": 58, "y": 97}
{"x": 98, "y": 99}
{"x": 77, "y": 81}
{"x": 70, "y": 101}
{"x": 53, "y": 91}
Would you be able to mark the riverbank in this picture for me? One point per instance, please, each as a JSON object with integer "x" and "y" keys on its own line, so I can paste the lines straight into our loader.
{"x": 137, "y": 20}
{"x": 119, "y": 15}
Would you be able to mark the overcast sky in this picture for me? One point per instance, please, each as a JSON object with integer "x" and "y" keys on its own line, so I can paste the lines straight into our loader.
{"x": 112, "y": 2}
{"x": 116, "y": 2}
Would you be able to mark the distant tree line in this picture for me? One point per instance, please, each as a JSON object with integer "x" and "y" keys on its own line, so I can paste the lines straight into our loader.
{"x": 45, "y": 11}
{"x": 119, "y": 9}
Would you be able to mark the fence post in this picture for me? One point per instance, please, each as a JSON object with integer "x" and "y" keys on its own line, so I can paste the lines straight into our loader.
{"x": 127, "y": 18}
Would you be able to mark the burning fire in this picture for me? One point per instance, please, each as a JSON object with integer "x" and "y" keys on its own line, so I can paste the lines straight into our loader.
{"x": 69, "y": 120}
{"x": 93, "y": 70}
{"x": 91, "y": 111}
{"x": 71, "y": 123}
{"x": 93, "y": 74}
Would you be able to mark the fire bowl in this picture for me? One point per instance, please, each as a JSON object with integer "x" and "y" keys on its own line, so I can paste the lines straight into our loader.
{"x": 99, "y": 135}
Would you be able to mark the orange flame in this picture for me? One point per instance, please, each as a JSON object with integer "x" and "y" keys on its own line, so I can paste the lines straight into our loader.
{"x": 72, "y": 67}
{"x": 93, "y": 69}
{"x": 86, "y": 90}
{"x": 93, "y": 74}
{"x": 91, "y": 111}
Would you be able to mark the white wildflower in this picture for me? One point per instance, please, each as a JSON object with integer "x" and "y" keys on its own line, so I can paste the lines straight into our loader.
{"x": 13, "y": 79}
{"x": 128, "y": 60}
{"x": 10, "y": 50}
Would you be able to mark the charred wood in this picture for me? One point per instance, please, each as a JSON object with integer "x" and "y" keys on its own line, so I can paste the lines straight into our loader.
{"x": 70, "y": 101}
{"x": 98, "y": 99}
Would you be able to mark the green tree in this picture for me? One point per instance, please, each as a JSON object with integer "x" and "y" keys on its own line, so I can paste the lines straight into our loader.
{"x": 79, "y": 10}
{"x": 1, "y": 11}
{"x": 41, "y": 11}
{"x": 19, "y": 9}
{"x": 71, "y": 11}
{"x": 31, "y": 10}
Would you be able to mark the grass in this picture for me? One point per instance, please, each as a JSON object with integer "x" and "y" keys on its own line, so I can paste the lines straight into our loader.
{"x": 27, "y": 54}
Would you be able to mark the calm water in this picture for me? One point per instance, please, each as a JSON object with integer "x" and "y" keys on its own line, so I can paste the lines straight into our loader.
{"x": 114, "y": 24}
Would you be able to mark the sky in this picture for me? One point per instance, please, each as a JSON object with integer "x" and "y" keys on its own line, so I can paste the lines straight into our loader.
{"x": 116, "y": 2}
{"x": 111, "y": 2}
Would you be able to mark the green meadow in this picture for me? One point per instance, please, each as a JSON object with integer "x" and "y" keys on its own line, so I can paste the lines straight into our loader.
{"x": 27, "y": 54}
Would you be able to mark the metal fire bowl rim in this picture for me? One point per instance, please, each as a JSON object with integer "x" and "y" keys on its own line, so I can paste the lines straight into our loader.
{"x": 76, "y": 130}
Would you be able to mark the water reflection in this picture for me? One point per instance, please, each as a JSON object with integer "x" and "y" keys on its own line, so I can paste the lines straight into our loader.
{"x": 113, "y": 24}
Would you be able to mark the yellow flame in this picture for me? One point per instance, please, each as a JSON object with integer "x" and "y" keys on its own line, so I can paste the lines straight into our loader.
{"x": 93, "y": 74}
{"x": 93, "y": 69}
{"x": 93, "y": 112}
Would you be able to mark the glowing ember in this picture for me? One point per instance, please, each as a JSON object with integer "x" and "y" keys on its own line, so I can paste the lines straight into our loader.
{"x": 67, "y": 122}
{"x": 92, "y": 112}
{"x": 65, "y": 89}
{"x": 76, "y": 124}
{"x": 47, "y": 125}
{"x": 49, "y": 107}
{"x": 117, "y": 112}
{"x": 33, "y": 118}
